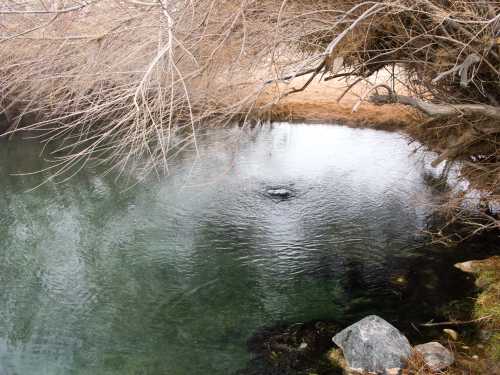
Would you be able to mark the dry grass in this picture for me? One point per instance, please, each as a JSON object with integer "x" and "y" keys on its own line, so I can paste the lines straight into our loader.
{"x": 486, "y": 314}
{"x": 417, "y": 366}
{"x": 488, "y": 303}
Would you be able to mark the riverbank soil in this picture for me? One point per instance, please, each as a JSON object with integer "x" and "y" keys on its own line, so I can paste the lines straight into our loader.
{"x": 339, "y": 101}
{"x": 334, "y": 101}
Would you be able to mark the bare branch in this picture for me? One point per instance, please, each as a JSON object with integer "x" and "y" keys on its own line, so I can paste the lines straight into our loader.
{"x": 440, "y": 110}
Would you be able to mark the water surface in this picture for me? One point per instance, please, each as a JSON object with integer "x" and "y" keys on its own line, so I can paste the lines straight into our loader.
{"x": 173, "y": 275}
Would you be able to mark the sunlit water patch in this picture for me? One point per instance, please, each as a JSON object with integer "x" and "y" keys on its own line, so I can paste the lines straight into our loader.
{"x": 173, "y": 275}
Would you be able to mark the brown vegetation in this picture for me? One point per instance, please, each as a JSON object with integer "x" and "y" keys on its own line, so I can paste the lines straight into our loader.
{"x": 446, "y": 57}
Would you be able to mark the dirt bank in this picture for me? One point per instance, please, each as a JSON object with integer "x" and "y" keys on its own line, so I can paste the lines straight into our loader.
{"x": 319, "y": 102}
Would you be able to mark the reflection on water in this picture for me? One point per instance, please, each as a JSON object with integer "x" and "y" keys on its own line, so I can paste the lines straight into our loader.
{"x": 172, "y": 276}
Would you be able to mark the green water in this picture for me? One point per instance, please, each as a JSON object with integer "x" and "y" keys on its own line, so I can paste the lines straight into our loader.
{"x": 173, "y": 275}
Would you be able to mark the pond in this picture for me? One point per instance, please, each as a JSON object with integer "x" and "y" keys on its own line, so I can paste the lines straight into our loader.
{"x": 173, "y": 275}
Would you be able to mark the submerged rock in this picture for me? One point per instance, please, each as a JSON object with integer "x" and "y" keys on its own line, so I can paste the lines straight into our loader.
{"x": 280, "y": 193}
{"x": 373, "y": 345}
{"x": 292, "y": 349}
{"x": 485, "y": 335}
{"x": 435, "y": 355}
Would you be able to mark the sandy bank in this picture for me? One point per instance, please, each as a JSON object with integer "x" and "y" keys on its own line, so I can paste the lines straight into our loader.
{"x": 319, "y": 103}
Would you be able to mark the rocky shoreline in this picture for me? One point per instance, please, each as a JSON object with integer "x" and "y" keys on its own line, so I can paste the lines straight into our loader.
{"x": 374, "y": 346}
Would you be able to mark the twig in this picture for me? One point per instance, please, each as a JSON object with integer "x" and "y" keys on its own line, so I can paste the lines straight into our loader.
{"x": 440, "y": 110}
{"x": 458, "y": 322}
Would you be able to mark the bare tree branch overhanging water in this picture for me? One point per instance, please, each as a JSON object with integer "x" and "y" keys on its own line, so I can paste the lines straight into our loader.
{"x": 119, "y": 80}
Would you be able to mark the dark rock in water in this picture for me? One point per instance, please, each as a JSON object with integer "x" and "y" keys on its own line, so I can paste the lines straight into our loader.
{"x": 373, "y": 345}
{"x": 485, "y": 335}
{"x": 280, "y": 193}
{"x": 435, "y": 355}
{"x": 295, "y": 349}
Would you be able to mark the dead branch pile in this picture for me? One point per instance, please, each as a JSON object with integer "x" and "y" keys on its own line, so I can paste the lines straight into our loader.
{"x": 121, "y": 80}
{"x": 445, "y": 55}
{"x": 449, "y": 52}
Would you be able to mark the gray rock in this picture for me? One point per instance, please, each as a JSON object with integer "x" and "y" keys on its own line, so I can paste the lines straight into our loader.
{"x": 435, "y": 355}
{"x": 303, "y": 346}
{"x": 485, "y": 335}
{"x": 373, "y": 345}
{"x": 281, "y": 193}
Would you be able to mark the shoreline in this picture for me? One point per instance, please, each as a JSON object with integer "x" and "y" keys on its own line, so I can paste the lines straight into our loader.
{"x": 319, "y": 103}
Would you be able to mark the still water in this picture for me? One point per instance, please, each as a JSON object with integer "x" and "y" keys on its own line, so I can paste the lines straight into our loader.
{"x": 100, "y": 275}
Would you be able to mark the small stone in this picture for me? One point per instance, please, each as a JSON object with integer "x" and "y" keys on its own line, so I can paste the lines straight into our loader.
{"x": 354, "y": 371}
{"x": 373, "y": 345}
{"x": 399, "y": 280}
{"x": 393, "y": 371}
{"x": 303, "y": 346}
{"x": 465, "y": 347}
{"x": 452, "y": 333}
{"x": 281, "y": 193}
{"x": 485, "y": 335}
{"x": 475, "y": 357}
{"x": 480, "y": 346}
{"x": 435, "y": 355}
